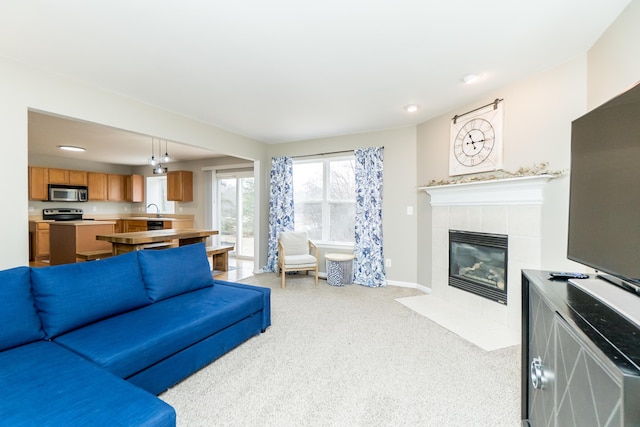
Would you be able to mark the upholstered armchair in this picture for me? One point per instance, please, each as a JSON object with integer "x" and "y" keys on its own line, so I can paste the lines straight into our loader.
{"x": 296, "y": 253}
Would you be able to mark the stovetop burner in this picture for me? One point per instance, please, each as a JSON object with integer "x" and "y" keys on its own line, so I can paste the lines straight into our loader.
{"x": 62, "y": 214}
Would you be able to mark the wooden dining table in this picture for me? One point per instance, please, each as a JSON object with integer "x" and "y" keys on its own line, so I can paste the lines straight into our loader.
{"x": 137, "y": 240}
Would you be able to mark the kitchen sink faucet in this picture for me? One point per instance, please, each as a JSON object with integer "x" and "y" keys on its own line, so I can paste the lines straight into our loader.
{"x": 157, "y": 209}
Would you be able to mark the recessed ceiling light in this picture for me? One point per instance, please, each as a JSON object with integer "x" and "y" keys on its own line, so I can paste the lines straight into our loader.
{"x": 70, "y": 148}
{"x": 470, "y": 78}
{"x": 411, "y": 108}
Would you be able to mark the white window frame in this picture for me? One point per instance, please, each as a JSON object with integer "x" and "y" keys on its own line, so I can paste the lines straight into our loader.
{"x": 326, "y": 202}
{"x": 164, "y": 206}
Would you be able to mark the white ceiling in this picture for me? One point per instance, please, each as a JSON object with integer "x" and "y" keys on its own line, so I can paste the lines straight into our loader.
{"x": 289, "y": 70}
{"x": 103, "y": 144}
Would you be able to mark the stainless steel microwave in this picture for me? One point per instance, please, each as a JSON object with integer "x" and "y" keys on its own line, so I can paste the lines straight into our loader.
{"x": 68, "y": 193}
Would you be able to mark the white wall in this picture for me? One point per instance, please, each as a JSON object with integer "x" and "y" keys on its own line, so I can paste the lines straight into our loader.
{"x": 399, "y": 229}
{"x": 613, "y": 61}
{"x": 538, "y": 115}
{"x": 537, "y": 128}
{"x": 23, "y": 88}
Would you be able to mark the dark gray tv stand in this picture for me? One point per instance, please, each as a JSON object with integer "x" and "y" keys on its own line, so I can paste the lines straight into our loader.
{"x": 580, "y": 353}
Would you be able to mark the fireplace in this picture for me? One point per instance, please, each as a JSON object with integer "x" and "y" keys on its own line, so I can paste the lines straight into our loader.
{"x": 478, "y": 264}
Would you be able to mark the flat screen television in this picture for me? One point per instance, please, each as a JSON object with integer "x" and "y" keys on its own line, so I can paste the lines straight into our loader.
{"x": 604, "y": 204}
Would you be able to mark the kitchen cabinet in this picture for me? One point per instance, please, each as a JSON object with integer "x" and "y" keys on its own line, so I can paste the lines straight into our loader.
{"x": 180, "y": 186}
{"x": 38, "y": 180}
{"x": 115, "y": 188}
{"x": 40, "y": 177}
{"x": 178, "y": 225}
{"x": 39, "y": 234}
{"x": 77, "y": 178}
{"x": 132, "y": 225}
{"x": 97, "y": 183}
{"x": 58, "y": 176}
{"x": 134, "y": 188}
{"x": 70, "y": 237}
{"x": 67, "y": 177}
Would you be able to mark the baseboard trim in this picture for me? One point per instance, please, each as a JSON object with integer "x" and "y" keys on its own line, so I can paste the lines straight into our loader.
{"x": 417, "y": 286}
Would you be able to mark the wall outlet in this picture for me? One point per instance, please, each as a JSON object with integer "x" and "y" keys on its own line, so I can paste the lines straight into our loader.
{"x": 94, "y": 209}
{"x": 409, "y": 210}
{"x": 387, "y": 262}
{"x": 180, "y": 209}
{"x": 126, "y": 209}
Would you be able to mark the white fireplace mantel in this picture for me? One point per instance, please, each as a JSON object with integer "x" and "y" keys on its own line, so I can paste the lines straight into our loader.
{"x": 526, "y": 190}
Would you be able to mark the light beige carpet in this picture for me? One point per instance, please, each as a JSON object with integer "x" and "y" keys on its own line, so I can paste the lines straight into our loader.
{"x": 350, "y": 356}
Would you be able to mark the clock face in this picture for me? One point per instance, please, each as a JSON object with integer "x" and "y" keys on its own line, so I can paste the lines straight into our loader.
{"x": 474, "y": 142}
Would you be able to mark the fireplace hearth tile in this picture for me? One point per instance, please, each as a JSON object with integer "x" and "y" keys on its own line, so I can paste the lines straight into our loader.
{"x": 478, "y": 330}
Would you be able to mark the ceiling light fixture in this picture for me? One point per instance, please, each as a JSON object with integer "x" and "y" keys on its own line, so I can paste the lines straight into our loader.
{"x": 411, "y": 108}
{"x": 166, "y": 158}
{"x": 152, "y": 161}
{"x": 157, "y": 164}
{"x": 71, "y": 148}
{"x": 470, "y": 78}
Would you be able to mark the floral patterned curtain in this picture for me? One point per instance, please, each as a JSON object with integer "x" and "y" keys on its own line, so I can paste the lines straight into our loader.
{"x": 280, "y": 206}
{"x": 369, "y": 256}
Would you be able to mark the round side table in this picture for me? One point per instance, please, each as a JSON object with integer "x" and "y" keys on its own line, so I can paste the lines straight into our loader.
{"x": 339, "y": 269}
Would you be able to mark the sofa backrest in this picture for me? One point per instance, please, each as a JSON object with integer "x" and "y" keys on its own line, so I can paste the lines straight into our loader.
{"x": 19, "y": 322}
{"x": 170, "y": 272}
{"x": 72, "y": 295}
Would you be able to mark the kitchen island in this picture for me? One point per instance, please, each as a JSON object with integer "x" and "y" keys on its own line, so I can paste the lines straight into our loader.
{"x": 67, "y": 238}
{"x": 134, "y": 241}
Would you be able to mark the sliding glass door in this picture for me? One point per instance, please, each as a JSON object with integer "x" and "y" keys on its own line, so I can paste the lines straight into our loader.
{"x": 235, "y": 211}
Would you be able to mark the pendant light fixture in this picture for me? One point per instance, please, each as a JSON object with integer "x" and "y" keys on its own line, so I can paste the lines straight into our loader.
{"x": 156, "y": 163}
{"x": 166, "y": 158}
{"x": 152, "y": 161}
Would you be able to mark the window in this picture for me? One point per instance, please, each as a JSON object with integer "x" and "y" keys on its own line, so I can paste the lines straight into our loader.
{"x": 157, "y": 194}
{"x": 324, "y": 193}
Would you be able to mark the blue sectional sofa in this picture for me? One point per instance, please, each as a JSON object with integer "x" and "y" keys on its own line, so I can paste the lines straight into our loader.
{"x": 93, "y": 343}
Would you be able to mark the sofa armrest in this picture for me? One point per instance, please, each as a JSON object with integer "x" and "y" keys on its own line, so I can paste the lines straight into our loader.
{"x": 266, "y": 297}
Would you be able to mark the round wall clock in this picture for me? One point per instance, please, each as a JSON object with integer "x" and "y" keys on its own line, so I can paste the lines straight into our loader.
{"x": 476, "y": 141}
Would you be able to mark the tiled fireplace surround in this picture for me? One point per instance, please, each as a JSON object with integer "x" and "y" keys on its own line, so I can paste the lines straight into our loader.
{"x": 507, "y": 206}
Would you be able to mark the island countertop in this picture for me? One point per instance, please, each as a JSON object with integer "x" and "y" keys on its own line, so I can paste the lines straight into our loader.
{"x": 81, "y": 223}
{"x": 133, "y": 241}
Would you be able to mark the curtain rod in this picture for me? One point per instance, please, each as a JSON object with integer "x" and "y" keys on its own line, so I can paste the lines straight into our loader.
{"x": 325, "y": 154}
{"x": 494, "y": 103}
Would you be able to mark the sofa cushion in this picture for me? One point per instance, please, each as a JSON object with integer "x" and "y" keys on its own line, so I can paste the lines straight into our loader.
{"x": 18, "y": 317}
{"x": 46, "y": 385}
{"x": 175, "y": 271}
{"x": 131, "y": 342}
{"x": 72, "y": 295}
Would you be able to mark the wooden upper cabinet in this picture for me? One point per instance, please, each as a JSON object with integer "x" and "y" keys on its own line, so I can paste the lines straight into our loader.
{"x": 67, "y": 177}
{"x": 58, "y": 176}
{"x": 115, "y": 188}
{"x": 38, "y": 179}
{"x": 134, "y": 188}
{"x": 97, "y": 183}
{"x": 77, "y": 178}
{"x": 180, "y": 186}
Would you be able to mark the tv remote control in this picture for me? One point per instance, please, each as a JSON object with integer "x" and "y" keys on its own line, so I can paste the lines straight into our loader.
{"x": 566, "y": 276}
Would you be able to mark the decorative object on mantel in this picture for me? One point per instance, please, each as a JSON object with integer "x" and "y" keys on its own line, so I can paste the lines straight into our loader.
{"x": 537, "y": 169}
{"x": 476, "y": 140}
